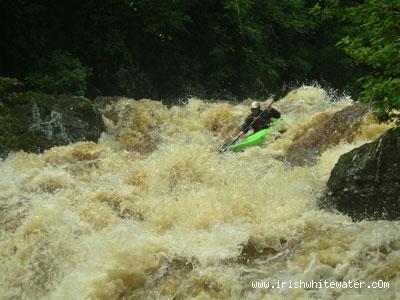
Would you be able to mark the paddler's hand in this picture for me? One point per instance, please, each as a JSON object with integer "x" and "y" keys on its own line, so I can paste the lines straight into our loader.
{"x": 239, "y": 134}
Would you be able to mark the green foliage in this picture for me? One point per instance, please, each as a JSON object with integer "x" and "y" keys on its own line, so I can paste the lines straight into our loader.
{"x": 374, "y": 42}
{"x": 8, "y": 84}
{"x": 169, "y": 48}
{"x": 60, "y": 73}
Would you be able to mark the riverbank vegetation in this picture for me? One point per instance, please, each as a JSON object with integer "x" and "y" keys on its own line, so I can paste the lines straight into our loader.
{"x": 232, "y": 49}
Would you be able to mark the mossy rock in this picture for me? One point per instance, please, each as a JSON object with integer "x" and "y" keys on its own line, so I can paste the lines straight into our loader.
{"x": 35, "y": 121}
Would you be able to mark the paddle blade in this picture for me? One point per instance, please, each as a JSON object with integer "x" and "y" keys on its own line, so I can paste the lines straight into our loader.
{"x": 225, "y": 147}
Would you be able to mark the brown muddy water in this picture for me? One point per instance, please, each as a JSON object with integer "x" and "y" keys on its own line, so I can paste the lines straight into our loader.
{"x": 153, "y": 212}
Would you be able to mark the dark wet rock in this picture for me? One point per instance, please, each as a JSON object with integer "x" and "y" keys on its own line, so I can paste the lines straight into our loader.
{"x": 106, "y": 105}
{"x": 365, "y": 183}
{"x": 34, "y": 122}
{"x": 102, "y": 101}
{"x": 251, "y": 250}
{"x": 326, "y": 132}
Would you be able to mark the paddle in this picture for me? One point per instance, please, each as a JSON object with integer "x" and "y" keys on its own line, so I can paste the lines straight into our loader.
{"x": 225, "y": 147}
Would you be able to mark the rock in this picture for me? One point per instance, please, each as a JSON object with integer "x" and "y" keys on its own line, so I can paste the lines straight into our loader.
{"x": 365, "y": 183}
{"x": 34, "y": 122}
{"x": 102, "y": 101}
{"x": 324, "y": 131}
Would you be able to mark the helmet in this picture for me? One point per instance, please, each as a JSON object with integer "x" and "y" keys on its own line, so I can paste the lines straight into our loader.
{"x": 255, "y": 104}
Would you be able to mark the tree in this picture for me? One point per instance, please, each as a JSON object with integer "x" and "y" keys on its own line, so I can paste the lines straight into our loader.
{"x": 172, "y": 48}
{"x": 374, "y": 42}
{"x": 60, "y": 74}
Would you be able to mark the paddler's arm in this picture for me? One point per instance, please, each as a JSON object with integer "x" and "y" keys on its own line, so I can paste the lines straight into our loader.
{"x": 273, "y": 113}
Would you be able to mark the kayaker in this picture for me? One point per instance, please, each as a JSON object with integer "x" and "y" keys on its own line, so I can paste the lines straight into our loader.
{"x": 259, "y": 119}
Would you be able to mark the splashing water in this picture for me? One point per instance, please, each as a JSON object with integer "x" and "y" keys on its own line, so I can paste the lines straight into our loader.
{"x": 153, "y": 212}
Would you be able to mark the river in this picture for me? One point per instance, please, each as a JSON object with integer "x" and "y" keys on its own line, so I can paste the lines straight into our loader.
{"x": 152, "y": 211}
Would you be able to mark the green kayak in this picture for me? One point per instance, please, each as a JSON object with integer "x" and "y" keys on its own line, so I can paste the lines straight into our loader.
{"x": 256, "y": 139}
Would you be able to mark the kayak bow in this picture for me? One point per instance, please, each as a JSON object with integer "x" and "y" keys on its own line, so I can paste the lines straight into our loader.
{"x": 255, "y": 139}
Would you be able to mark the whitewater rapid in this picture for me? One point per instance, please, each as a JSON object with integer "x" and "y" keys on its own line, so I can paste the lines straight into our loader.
{"x": 153, "y": 212}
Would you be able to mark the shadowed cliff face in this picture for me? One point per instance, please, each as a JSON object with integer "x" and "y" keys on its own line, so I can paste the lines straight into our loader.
{"x": 324, "y": 131}
{"x": 126, "y": 218}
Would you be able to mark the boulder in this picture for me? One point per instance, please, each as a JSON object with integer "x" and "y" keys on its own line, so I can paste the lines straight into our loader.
{"x": 34, "y": 122}
{"x": 323, "y": 132}
{"x": 365, "y": 183}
